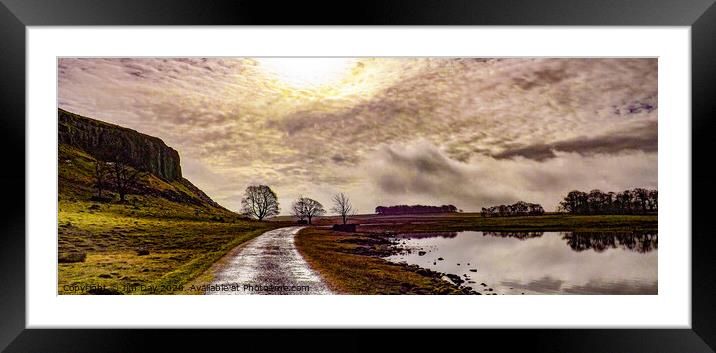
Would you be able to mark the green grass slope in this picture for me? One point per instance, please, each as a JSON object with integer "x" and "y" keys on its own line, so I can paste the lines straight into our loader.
{"x": 163, "y": 236}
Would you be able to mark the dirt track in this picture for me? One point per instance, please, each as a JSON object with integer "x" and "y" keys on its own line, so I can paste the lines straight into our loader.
{"x": 269, "y": 264}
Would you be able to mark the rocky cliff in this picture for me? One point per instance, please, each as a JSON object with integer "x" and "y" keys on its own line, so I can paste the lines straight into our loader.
{"x": 110, "y": 142}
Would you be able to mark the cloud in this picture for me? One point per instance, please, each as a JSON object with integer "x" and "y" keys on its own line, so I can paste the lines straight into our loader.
{"x": 642, "y": 137}
{"x": 233, "y": 122}
{"x": 421, "y": 172}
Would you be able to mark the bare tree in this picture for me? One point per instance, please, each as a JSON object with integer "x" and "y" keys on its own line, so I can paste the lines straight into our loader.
{"x": 298, "y": 208}
{"x": 125, "y": 178}
{"x": 260, "y": 202}
{"x": 642, "y": 198}
{"x": 342, "y": 206}
{"x": 101, "y": 177}
{"x": 653, "y": 200}
{"x": 313, "y": 209}
{"x": 309, "y": 208}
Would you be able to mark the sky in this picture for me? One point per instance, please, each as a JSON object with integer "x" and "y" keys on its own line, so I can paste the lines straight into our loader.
{"x": 470, "y": 132}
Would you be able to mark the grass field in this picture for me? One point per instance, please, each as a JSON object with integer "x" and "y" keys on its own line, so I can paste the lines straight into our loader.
{"x": 146, "y": 245}
{"x": 140, "y": 253}
{"x": 473, "y": 221}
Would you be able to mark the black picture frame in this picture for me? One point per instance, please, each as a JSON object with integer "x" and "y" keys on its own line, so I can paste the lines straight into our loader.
{"x": 16, "y": 15}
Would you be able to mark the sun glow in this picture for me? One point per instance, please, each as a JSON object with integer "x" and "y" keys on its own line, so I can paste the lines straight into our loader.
{"x": 307, "y": 72}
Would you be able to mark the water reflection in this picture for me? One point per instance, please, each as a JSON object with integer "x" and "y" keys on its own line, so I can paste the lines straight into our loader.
{"x": 517, "y": 235}
{"x": 548, "y": 285}
{"x": 600, "y": 241}
{"x": 540, "y": 262}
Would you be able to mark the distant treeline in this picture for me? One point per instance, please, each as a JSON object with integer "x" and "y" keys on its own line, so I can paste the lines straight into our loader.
{"x": 636, "y": 201}
{"x": 405, "y": 209}
{"x": 519, "y": 208}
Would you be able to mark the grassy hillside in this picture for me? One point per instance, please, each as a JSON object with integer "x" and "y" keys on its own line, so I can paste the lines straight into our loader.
{"x": 164, "y": 235}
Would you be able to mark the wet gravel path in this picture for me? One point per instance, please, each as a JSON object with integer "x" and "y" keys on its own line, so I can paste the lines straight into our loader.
{"x": 269, "y": 264}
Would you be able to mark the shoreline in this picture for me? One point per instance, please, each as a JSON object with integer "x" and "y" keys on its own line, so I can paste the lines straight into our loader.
{"x": 324, "y": 249}
{"x": 355, "y": 265}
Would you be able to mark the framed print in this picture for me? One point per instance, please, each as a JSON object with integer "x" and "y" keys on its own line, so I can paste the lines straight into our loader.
{"x": 503, "y": 173}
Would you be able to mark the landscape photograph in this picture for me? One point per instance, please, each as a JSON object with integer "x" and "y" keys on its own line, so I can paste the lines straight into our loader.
{"x": 357, "y": 175}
